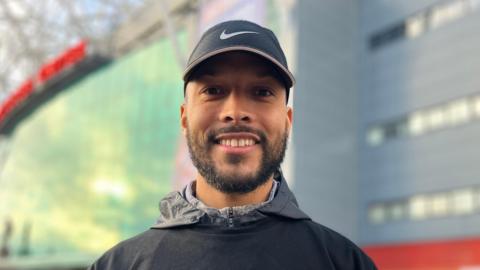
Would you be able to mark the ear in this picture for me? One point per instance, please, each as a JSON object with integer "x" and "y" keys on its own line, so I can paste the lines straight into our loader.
{"x": 183, "y": 118}
{"x": 289, "y": 118}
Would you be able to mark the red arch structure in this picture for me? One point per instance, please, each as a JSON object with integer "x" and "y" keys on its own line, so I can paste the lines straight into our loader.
{"x": 64, "y": 61}
{"x": 53, "y": 77}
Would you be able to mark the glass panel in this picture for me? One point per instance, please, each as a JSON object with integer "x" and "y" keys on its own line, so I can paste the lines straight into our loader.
{"x": 416, "y": 25}
{"x": 397, "y": 211}
{"x": 440, "y": 204}
{"x": 88, "y": 168}
{"x": 377, "y": 214}
{"x": 375, "y": 136}
{"x": 436, "y": 118}
{"x": 417, "y": 123}
{"x": 445, "y": 13}
{"x": 463, "y": 201}
{"x": 458, "y": 112}
{"x": 418, "y": 207}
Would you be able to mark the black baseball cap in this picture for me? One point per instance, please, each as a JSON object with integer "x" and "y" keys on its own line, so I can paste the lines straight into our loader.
{"x": 240, "y": 35}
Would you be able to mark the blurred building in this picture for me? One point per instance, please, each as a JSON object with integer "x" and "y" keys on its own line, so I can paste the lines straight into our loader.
{"x": 88, "y": 141}
{"x": 419, "y": 117}
{"x": 387, "y": 126}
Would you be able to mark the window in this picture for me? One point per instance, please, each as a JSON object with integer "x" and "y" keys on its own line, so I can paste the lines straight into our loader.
{"x": 416, "y": 123}
{"x": 418, "y": 207}
{"x": 435, "y": 118}
{"x": 375, "y": 136}
{"x": 446, "y": 13}
{"x": 458, "y": 112}
{"x": 377, "y": 214}
{"x": 440, "y": 204}
{"x": 463, "y": 201}
{"x": 397, "y": 211}
{"x": 476, "y": 106}
{"x": 477, "y": 199}
{"x": 416, "y": 25}
{"x": 387, "y": 36}
{"x": 419, "y": 122}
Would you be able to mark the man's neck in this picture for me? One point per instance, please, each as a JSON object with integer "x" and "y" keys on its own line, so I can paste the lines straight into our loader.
{"x": 212, "y": 197}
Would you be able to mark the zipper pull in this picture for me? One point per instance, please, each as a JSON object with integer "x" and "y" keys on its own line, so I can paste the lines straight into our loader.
{"x": 230, "y": 217}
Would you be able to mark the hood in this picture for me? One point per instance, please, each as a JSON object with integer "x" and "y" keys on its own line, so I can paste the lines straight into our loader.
{"x": 176, "y": 211}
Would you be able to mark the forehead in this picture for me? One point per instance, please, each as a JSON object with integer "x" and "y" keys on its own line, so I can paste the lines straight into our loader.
{"x": 236, "y": 61}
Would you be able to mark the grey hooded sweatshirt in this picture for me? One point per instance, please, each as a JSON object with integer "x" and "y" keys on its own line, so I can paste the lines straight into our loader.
{"x": 273, "y": 235}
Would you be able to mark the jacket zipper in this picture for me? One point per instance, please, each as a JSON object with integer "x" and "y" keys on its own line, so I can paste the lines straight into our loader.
{"x": 230, "y": 217}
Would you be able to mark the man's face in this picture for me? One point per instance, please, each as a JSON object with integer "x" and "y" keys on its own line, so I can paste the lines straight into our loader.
{"x": 236, "y": 121}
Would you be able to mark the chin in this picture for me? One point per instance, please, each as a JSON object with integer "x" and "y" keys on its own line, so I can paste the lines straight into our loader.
{"x": 240, "y": 170}
{"x": 239, "y": 174}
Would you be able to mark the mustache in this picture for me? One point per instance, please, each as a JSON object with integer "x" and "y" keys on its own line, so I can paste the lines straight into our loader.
{"x": 212, "y": 134}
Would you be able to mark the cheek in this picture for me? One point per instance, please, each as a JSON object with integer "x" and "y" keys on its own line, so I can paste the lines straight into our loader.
{"x": 275, "y": 123}
{"x": 200, "y": 120}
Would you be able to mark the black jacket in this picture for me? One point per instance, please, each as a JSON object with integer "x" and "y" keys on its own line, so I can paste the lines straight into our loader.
{"x": 277, "y": 235}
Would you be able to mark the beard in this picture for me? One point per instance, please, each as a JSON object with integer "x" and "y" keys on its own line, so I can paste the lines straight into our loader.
{"x": 273, "y": 153}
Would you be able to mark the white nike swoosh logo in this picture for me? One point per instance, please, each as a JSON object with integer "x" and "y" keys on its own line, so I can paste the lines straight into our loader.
{"x": 227, "y": 36}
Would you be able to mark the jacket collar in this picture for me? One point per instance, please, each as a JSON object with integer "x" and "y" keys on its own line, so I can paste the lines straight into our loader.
{"x": 176, "y": 211}
{"x": 284, "y": 204}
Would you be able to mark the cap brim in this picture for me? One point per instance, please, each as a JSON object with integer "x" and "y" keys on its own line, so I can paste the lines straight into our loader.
{"x": 287, "y": 75}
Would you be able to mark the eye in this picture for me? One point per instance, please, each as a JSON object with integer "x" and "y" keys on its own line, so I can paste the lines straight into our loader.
{"x": 213, "y": 91}
{"x": 263, "y": 92}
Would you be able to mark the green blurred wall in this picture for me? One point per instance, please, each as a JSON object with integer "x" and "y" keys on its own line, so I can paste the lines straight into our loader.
{"x": 88, "y": 168}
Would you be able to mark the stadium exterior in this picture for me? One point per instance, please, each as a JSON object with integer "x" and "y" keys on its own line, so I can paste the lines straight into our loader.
{"x": 387, "y": 111}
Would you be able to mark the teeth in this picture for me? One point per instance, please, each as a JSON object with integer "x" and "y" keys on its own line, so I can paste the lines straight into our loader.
{"x": 237, "y": 142}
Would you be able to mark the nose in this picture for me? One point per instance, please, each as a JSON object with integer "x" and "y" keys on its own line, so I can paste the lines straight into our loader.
{"x": 236, "y": 109}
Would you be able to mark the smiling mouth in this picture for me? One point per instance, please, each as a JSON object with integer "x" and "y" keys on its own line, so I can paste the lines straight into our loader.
{"x": 237, "y": 140}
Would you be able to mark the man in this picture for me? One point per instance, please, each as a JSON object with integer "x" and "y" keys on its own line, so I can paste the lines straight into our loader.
{"x": 239, "y": 212}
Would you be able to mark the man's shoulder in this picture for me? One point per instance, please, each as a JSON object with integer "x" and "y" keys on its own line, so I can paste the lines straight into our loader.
{"x": 146, "y": 239}
{"x": 341, "y": 249}
{"x": 326, "y": 233}
{"x": 137, "y": 248}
